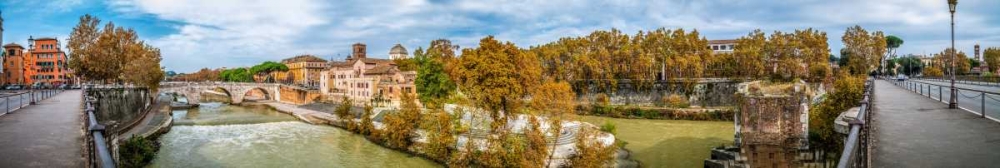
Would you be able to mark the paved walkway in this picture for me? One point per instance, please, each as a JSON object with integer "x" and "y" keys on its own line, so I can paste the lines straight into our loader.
{"x": 915, "y": 131}
{"x": 48, "y": 134}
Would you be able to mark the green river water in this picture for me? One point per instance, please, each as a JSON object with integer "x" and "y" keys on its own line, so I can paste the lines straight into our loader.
{"x": 669, "y": 143}
{"x": 220, "y": 135}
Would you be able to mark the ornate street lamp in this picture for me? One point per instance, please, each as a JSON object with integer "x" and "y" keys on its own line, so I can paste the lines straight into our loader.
{"x": 953, "y": 102}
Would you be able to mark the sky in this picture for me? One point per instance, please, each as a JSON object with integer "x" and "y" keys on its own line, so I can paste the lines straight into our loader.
{"x": 193, "y": 34}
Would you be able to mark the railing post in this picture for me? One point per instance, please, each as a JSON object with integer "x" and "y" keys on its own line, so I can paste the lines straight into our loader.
{"x": 982, "y": 97}
{"x": 939, "y": 93}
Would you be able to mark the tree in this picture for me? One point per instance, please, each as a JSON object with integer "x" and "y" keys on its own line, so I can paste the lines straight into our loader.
{"x": 991, "y": 57}
{"x": 265, "y": 69}
{"x": 107, "y": 54}
{"x": 441, "y": 137}
{"x": 590, "y": 153}
{"x": 892, "y": 43}
{"x": 553, "y": 99}
{"x": 401, "y": 126}
{"x": 366, "y": 127}
{"x": 866, "y": 49}
{"x": 236, "y": 75}
{"x": 749, "y": 54}
{"x": 433, "y": 84}
{"x": 944, "y": 58}
{"x": 496, "y": 76}
{"x": 407, "y": 64}
{"x": 909, "y": 65}
{"x": 343, "y": 110}
{"x": 847, "y": 93}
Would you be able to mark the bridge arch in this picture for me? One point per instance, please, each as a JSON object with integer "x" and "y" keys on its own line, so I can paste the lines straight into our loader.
{"x": 237, "y": 92}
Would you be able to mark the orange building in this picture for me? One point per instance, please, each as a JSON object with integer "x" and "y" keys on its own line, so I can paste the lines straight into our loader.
{"x": 46, "y": 62}
{"x": 13, "y": 64}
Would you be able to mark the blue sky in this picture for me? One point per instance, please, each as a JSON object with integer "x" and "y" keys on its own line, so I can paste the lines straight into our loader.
{"x": 229, "y": 33}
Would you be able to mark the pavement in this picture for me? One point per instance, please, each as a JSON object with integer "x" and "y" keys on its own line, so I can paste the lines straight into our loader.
{"x": 911, "y": 130}
{"x": 47, "y": 134}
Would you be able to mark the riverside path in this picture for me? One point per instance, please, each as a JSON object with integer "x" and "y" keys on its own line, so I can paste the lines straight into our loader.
{"x": 915, "y": 131}
{"x": 47, "y": 134}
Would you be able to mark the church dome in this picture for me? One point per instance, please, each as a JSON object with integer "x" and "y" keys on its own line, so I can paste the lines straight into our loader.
{"x": 398, "y": 49}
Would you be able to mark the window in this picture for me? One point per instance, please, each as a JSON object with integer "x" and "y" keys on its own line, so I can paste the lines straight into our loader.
{"x": 715, "y": 47}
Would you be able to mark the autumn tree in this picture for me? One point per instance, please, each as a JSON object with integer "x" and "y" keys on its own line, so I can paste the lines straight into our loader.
{"x": 107, "y": 54}
{"x": 589, "y": 151}
{"x": 401, "y": 126}
{"x": 440, "y": 139}
{"x": 991, "y": 57}
{"x": 749, "y": 54}
{"x": 496, "y": 76}
{"x": 866, "y": 49}
{"x": 944, "y": 62}
{"x": 343, "y": 111}
{"x": 367, "y": 127}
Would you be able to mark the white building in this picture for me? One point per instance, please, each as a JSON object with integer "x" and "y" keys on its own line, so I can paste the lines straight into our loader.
{"x": 398, "y": 52}
{"x": 722, "y": 46}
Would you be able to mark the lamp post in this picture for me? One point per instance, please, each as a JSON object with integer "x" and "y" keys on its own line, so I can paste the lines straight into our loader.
{"x": 953, "y": 102}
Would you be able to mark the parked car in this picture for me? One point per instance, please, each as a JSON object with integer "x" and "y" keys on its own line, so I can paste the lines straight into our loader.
{"x": 13, "y": 87}
{"x": 901, "y": 77}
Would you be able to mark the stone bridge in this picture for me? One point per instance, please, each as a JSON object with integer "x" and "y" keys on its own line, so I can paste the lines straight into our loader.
{"x": 235, "y": 90}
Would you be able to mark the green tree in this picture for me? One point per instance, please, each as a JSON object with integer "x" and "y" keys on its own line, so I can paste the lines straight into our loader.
{"x": 236, "y": 75}
{"x": 264, "y": 69}
{"x": 433, "y": 83}
{"x": 407, "y": 64}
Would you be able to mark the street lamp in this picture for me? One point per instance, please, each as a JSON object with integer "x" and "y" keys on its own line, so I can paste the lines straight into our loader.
{"x": 953, "y": 102}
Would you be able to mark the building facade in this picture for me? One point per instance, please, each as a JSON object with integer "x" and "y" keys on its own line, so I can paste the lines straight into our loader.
{"x": 46, "y": 62}
{"x": 303, "y": 70}
{"x": 14, "y": 62}
{"x": 367, "y": 80}
{"x": 722, "y": 46}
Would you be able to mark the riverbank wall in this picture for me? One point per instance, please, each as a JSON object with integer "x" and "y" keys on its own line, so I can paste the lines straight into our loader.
{"x": 704, "y": 92}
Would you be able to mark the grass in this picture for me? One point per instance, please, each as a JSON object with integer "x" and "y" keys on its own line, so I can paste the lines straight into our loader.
{"x": 669, "y": 143}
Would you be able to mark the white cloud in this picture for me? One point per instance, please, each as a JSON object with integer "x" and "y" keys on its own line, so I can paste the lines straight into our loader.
{"x": 247, "y": 32}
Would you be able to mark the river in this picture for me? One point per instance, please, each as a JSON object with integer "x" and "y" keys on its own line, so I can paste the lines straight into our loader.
{"x": 221, "y": 135}
{"x": 669, "y": 143}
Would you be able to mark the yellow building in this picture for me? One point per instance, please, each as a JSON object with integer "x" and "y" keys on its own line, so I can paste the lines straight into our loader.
{"x": 302, "y": 70}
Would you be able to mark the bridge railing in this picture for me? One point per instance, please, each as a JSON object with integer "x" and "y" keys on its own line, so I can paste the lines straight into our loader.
{"x": 972, "y": 80}
{"x": 100, "y": 154}
{"x": 20, "y": 100}
{"x": 856, "y": 148}
{"x": 967, "y": 99}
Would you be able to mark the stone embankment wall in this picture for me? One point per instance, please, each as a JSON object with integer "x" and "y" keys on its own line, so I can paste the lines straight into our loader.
{"x": 118, "y": 108}
{"x": 298, "y": 96}
{"x": 706, "y": 92}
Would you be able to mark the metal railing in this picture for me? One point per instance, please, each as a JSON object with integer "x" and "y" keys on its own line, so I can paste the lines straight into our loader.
{"x": 966, "y": 96}
{"x": 20, "y": 100}
{"x": 856, "y": 149}
{"x": 99, "y": 145}
{"x": 972, "y": 80}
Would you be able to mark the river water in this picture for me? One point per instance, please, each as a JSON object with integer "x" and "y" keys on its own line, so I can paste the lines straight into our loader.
{"x": 221, "y": 135}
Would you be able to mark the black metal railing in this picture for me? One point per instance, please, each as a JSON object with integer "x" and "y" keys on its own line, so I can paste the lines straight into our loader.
{"x": 856, "y": 148}
{"x": 967, "y": 99}
{"x": 100, "y": 155}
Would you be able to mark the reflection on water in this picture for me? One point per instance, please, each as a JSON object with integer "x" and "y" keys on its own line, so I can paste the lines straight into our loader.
{"x": 669, "y": 143}
{"x": 220, "y": 135}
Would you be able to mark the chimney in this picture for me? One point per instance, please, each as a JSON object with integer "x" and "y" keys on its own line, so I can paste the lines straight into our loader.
{"x": 359, "y": 50}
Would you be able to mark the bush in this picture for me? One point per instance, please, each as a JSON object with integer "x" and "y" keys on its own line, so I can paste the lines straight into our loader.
{"x": 675, "y": 101}
{"x": 654, "y": 113}
{"x": 609, "y": 127}
{"x": 602, "y": 99}
{"x": 137, "y": 151}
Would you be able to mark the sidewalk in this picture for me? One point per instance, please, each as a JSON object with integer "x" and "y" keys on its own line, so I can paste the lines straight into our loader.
{"x": 48, "y": 134}
{"x": 914, "y": 131}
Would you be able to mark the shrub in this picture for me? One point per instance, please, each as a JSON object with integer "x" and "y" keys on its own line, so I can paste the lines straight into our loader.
{"x": 675, "y": 101}
{"x": 609, "y": 127}
{"x": 602, "y": 99}
{"x": 137, "y": 151}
